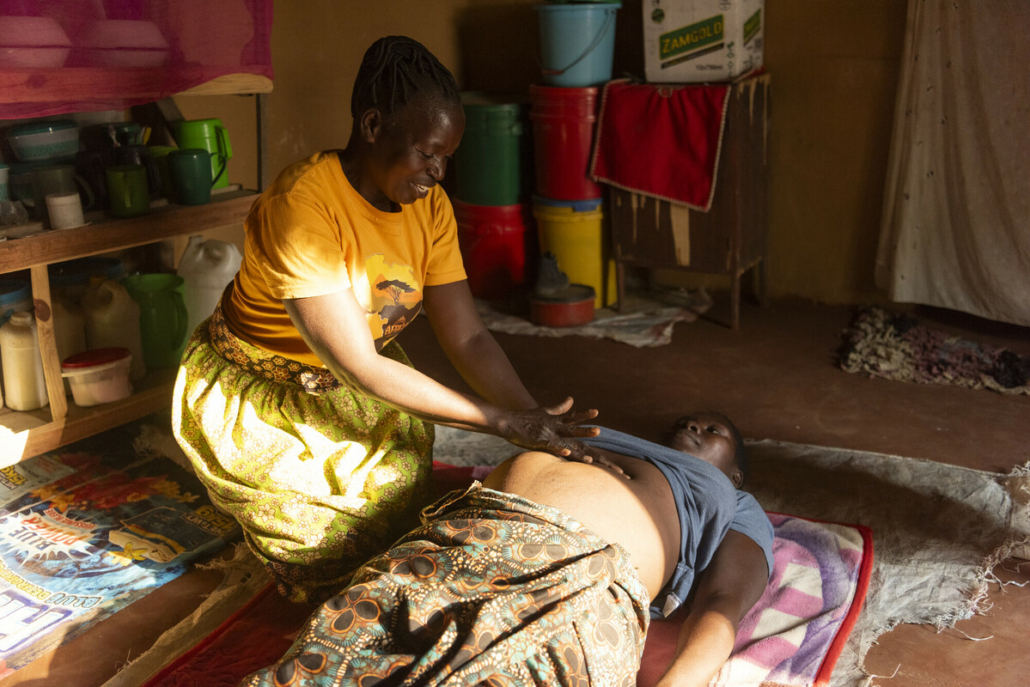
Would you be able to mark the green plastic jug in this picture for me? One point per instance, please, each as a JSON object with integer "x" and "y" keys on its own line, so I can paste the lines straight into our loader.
{"x": 210, "y": 135}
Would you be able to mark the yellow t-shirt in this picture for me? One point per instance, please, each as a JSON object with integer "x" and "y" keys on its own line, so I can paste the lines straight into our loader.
{"x": 310, "y": 233}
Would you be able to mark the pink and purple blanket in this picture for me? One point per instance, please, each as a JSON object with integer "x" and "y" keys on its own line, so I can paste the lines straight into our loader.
{"x": 795, "y": 633}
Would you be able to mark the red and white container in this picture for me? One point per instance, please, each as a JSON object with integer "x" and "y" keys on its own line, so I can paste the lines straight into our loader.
{"x": 98, "y": 376}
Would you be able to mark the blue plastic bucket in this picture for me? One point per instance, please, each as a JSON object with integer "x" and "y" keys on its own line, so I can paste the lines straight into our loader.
{"x": 577, "y": 43}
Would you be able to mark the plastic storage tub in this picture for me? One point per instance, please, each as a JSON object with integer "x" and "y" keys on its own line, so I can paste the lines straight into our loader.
{"x": 98, "y": 376}
{"x": 488, "y": 163}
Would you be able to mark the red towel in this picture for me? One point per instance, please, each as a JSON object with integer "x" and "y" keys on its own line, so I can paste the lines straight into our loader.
{"x": 661, "y": 140}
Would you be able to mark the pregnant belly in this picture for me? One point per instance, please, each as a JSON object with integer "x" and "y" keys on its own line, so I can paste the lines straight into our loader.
{"x": 638, "y": 513}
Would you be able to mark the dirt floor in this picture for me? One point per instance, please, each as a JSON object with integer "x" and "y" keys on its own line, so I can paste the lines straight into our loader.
{"x": 776, "y": 377}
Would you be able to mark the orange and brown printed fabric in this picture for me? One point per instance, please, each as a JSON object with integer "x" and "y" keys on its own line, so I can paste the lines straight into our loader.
{"x": 492, "y": 589}
{"x": 268, "y": 365}
{"x": 320, "y": 482}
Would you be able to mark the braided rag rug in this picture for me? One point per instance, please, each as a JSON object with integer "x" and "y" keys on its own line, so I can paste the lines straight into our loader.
{"x": 895, "y": 346}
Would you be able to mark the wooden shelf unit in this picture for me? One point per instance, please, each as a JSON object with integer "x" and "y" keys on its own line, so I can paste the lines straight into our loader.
{"x": 26, "y": 434}
{"x": 62, "y": 84}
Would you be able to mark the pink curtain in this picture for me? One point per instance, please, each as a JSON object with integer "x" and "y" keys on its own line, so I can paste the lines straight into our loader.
{"x": 62, "y": 56}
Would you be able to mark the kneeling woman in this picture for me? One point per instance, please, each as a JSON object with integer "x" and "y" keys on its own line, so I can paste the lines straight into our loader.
{"x": 301, "y": 415}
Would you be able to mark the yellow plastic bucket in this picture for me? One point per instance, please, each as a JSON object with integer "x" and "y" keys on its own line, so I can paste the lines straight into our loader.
{"x": 577, "y": 240}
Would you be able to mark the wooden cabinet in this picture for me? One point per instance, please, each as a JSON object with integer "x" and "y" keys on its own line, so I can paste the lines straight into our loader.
{"x": 728, "y": 239}
{"x": 26, "y": 434}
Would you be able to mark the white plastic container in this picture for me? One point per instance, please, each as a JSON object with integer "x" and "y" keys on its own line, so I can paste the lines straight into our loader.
{"x": 112, "y": 321}
{"x": 22, "y": 365}
{"x": 98, "y": 376}
{"x": 64, "y": 210}
{"x": 69, "y": 330}
{"x": 206, "y": 267}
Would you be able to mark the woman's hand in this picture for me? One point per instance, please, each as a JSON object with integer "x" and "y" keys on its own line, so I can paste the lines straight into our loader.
{"x": 554, "y": 429}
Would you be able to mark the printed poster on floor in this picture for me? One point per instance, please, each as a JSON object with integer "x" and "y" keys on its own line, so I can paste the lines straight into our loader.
{"x": 87, "y": 530}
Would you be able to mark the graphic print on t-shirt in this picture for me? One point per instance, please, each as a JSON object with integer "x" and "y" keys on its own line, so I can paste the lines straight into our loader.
{"x": 396, "y": 298}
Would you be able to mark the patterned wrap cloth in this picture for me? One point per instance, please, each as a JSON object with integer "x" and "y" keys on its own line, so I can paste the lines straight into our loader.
{"x": 492, "y": 589}
{"x": 320, "y": 477}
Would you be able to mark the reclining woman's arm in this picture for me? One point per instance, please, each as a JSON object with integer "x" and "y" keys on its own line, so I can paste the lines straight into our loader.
{"x": 731, "y": 584}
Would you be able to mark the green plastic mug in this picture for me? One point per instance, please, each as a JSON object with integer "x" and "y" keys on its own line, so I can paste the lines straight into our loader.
{"x": 162, "y": 316}
{"x": 191, "y": 175}
{"x": 128, "y": 195}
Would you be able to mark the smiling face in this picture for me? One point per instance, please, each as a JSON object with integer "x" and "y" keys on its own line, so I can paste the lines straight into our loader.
{"x": 408, "y": 150}
{"x": 708, "y": 436}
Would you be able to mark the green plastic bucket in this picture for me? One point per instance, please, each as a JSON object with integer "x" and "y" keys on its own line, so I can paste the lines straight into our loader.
{"x": 488, "y": 164}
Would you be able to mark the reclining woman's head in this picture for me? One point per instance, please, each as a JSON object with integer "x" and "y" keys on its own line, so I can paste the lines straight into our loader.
{"x": 713, "y": 438}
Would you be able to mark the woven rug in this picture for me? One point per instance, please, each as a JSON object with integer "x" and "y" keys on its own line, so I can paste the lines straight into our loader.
{"x": 896, "y": 346}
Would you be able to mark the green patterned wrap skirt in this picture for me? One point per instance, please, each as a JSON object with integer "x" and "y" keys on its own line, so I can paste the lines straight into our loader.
{"x": 492, "y": 589}
{"x": 320, "y": 477}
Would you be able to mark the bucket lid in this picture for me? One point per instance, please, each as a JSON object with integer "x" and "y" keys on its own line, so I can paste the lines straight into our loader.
{"x": 590, "y": 205}
{"x": 576, "y": 5}
{"x": 41, "y": 128}
{"x": 573, "y": 293}
{"x": 14, "y": 291}
{"x": 491, "y": 111}
{"x": 474, "y": 99}
{"x": 77, "y": 272}
{"x": 95, "y": 357}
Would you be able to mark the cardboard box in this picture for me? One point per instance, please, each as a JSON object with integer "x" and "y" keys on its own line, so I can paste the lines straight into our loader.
{"x": 693, "y": 41}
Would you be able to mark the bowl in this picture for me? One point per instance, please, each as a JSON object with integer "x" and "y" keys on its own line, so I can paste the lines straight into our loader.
{"x": 32, "y": 58}
{"x": 122, "y": 34}
{"x": 123, "y": 43}
{"x": 569, "y": 307}
{"x": 32, "y": 32}
{"x": 44, "y": 140}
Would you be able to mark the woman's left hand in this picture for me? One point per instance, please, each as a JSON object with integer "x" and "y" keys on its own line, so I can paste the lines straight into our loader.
{"x": 554, "y": 429}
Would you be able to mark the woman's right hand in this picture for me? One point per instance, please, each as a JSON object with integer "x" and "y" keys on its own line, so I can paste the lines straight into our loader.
{"x": 554, "y": 429}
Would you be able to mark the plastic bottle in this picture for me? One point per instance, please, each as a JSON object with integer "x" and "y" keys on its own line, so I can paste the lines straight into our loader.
{"x": 207, "y": 267}
{"x": 69, "y": 330}
{"x": 22, "y": 364}
{"x": 112, "y": 320}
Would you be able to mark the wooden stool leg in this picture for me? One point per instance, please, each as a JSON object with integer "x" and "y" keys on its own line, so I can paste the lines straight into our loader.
{"x": 735, "y": 302}
{"x": 759, "y": 283}
{"x": 620, "y": 285}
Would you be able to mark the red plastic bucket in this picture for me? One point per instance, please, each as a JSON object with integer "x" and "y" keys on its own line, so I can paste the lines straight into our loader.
{"x": 492, "y": 239}
{"x": 563, "y": 134}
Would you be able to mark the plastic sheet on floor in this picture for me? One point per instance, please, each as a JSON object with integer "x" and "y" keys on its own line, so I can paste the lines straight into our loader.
{"x": 648, "y": 323}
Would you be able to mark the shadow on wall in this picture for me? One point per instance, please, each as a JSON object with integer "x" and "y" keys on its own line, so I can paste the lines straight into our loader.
{"x": 498, "y": 47}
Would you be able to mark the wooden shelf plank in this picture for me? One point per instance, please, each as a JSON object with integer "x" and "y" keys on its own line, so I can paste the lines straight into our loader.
{"x": 106, "y": 235}
{"x": 108, "y": 85}
{"x": 27, "y": 434}
{"x": 232, "y": 84}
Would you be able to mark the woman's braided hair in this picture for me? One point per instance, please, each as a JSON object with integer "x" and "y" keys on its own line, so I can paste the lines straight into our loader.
{"x": 393, "y": 70}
